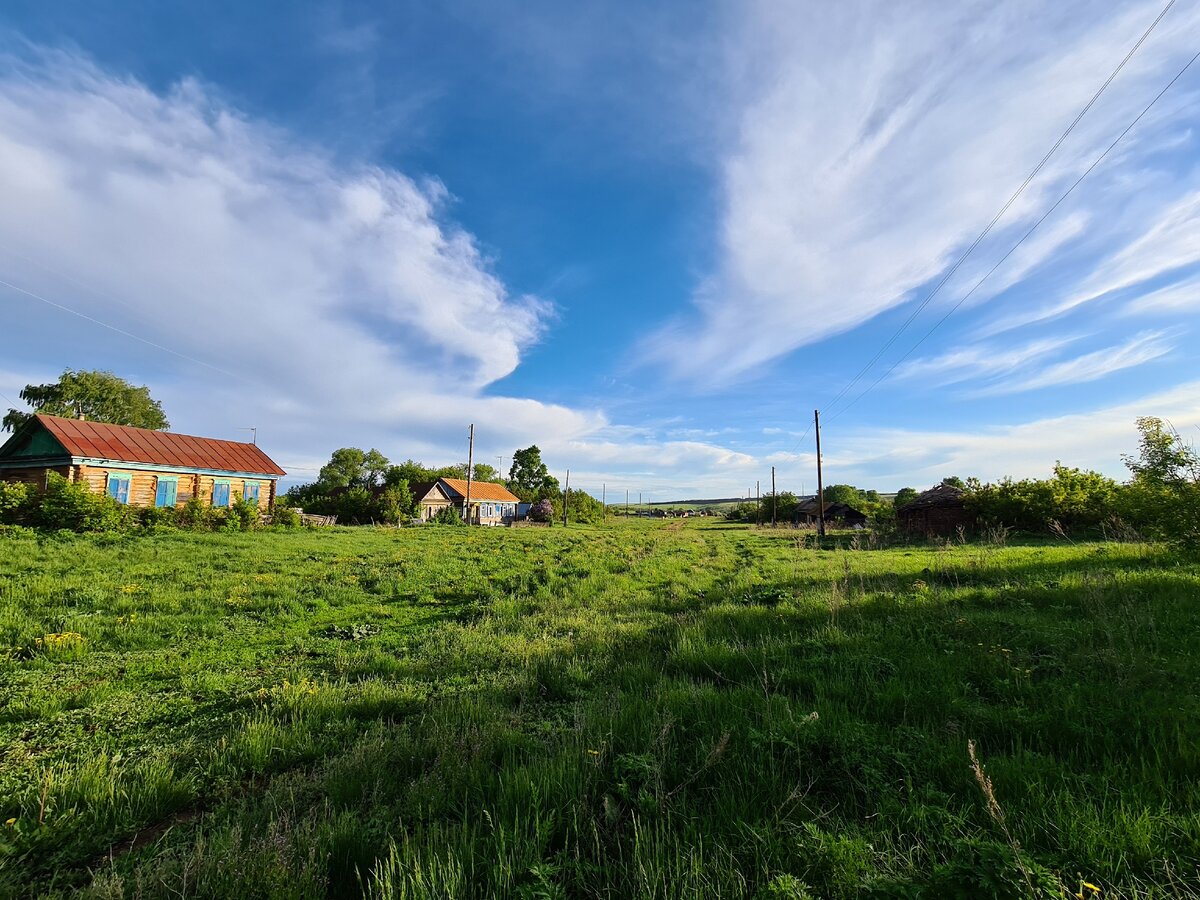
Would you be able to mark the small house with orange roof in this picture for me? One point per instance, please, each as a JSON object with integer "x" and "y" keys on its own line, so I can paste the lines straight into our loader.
{"x": 491, "y": 503}
{"x": 139, "y": 466}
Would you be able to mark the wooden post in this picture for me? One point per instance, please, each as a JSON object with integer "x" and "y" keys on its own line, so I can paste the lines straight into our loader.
{"x": 627, "y": 503}
{"x": 820, "y": 483}
{"x": 470, "y": 466}
{"x": 604, "y": 503}
{"x": 774, "y": 498}
{"x": 758, "y": 503}
{"x": 566, "y": 496}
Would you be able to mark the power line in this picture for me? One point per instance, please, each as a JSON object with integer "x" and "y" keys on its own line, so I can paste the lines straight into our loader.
{"x": 996, "y": 218}
{"x": 121, "y": 331}
{"x": 1032, "y": 229}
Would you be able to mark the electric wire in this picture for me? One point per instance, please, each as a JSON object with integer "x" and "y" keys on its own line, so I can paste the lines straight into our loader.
{"x": 1025, "y": 236}
{"x": 996, "y": 218}
{"x": 121, "y": 331}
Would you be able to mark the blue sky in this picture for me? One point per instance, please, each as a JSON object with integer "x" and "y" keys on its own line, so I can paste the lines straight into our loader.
{"x": 652, "y": 241}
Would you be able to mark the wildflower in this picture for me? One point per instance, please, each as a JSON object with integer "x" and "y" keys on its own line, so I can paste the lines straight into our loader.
{"x": 10, "y": 822}
{"x": 1091, "y": 887}
{"x": 594, "y": 752}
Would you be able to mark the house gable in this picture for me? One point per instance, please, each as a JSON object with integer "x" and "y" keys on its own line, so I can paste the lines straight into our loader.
{"x": 33, "y": 441}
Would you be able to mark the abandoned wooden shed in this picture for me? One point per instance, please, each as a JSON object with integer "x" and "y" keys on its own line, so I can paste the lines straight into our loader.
{"x": 940, "y": 510}
{"x": 139, "y": 466}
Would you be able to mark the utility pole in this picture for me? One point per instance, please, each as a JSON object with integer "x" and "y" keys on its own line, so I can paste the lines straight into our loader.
{"x": 774, "y": 498}
{"x": 566, "y": 496}
{"x": 500, "y": 471}
{"x": 604, "y": 503}
{"x": 470, "y": 466}
{"x": 627, "y": 503}
{"x": 757, "y": 503}
{"x": 820, "y": 483}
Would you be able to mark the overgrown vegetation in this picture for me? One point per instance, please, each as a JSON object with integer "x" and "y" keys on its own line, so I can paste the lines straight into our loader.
{"x": 70, "y": 506}
{"x": 675, "y": 709}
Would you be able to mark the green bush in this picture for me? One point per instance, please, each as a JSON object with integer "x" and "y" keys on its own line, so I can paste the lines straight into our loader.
{"x": 193, "y": 514}
{"x": 158, "y": 516}
{"x": 243, "y": 514}
{"x": 447, "y": 515}
{"x": 283, "y": 516}
{"x": 1073, "y": 498}
{"x": 16, "y": 502}
{"x": 65, "y": 504}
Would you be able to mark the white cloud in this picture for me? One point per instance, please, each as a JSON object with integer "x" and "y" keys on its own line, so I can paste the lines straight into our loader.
{"x": 1183, "y": 296}
{"x": 980, "y": 360}
{"x": 1094, "y": 439}
{"x": 1138, "y": 350}
{"x": 876, "y": 140}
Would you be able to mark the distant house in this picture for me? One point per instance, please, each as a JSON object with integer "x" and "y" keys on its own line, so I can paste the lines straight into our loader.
{"x": 139, "y": 466}
{"x": 940, "y": 510}
{"x": 491, "y": 504}
{"x": 842, "y": 515}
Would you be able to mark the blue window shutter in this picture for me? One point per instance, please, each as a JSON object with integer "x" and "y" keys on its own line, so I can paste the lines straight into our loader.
{"x": 220, "y": 494}
{"x": 166, "y": 492}
{"x": 118, "y": 488}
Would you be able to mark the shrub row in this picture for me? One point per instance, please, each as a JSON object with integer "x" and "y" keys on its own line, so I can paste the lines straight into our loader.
{"x": 67, "y": 505}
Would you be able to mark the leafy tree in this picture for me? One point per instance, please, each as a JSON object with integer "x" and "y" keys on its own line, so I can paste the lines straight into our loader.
{"x": 352, "y": 467}
{"x": 954, "y": 481}
{"x": 1163, "y": 498}
{"x": 529, "y": 478}
{"x": 904, "y": 496}
{"x": 484, "y": 472}
{"x": 1163, "y": 457}
{"x": 100, "y": 396}
{"x": 844, "y": 493}
{"x": 581, "y": 507}
{"x": 410, "y": 471}
{"x": 542, "y": 511}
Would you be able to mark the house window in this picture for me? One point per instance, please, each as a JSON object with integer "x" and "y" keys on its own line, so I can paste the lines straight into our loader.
{"x": 118, "y": 488}
{"x": 250, "y": 492}
{"x": 220, "y": 493}
{"x": 165, "y": 494}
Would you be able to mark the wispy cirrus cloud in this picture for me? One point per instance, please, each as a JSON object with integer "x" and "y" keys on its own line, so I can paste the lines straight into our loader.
{"x": 1138, "y": 350}
{"x": 978, "y": 361}
{"x": 873, "y": 143}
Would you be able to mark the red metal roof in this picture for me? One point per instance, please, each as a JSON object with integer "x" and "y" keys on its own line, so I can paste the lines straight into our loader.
{"x": 122, "y": 443}
{"x": 480, "y": 490}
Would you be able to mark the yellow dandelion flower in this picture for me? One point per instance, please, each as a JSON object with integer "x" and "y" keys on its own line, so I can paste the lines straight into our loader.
{"x": 10, "y": 822}
{"x": 1091, "y": 887}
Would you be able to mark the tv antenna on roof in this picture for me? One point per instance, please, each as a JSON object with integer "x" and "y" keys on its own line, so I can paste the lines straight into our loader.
{"x": 253, "y": 433}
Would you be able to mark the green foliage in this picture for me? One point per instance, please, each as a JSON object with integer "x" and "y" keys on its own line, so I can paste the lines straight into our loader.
{"x": 1163, "y": 499}
{"x": 351, "y": 467}
{"x": 903, "y": 496}
{"x": 1071, "y": 498}
{"x": 447, "y": 515}
{"x": 684, "y": 709}
{"x": 283, "y": 516}
{"x": 66, "y": 504}
{"x": 954, "y": 481}
{"x": 100, "y": 396}
{"x": 582, "y": 508}
{"x": 16, "y": 502}
{"x": 529, "y": 478}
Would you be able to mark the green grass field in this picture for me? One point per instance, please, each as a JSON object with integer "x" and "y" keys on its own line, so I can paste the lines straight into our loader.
{"x": 653, "y": 709}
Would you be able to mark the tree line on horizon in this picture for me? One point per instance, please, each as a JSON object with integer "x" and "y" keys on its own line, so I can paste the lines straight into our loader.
{"x": 1161, "y": 499}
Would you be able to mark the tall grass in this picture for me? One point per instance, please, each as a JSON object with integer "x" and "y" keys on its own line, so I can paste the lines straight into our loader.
{"x": 641, "y": 710}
